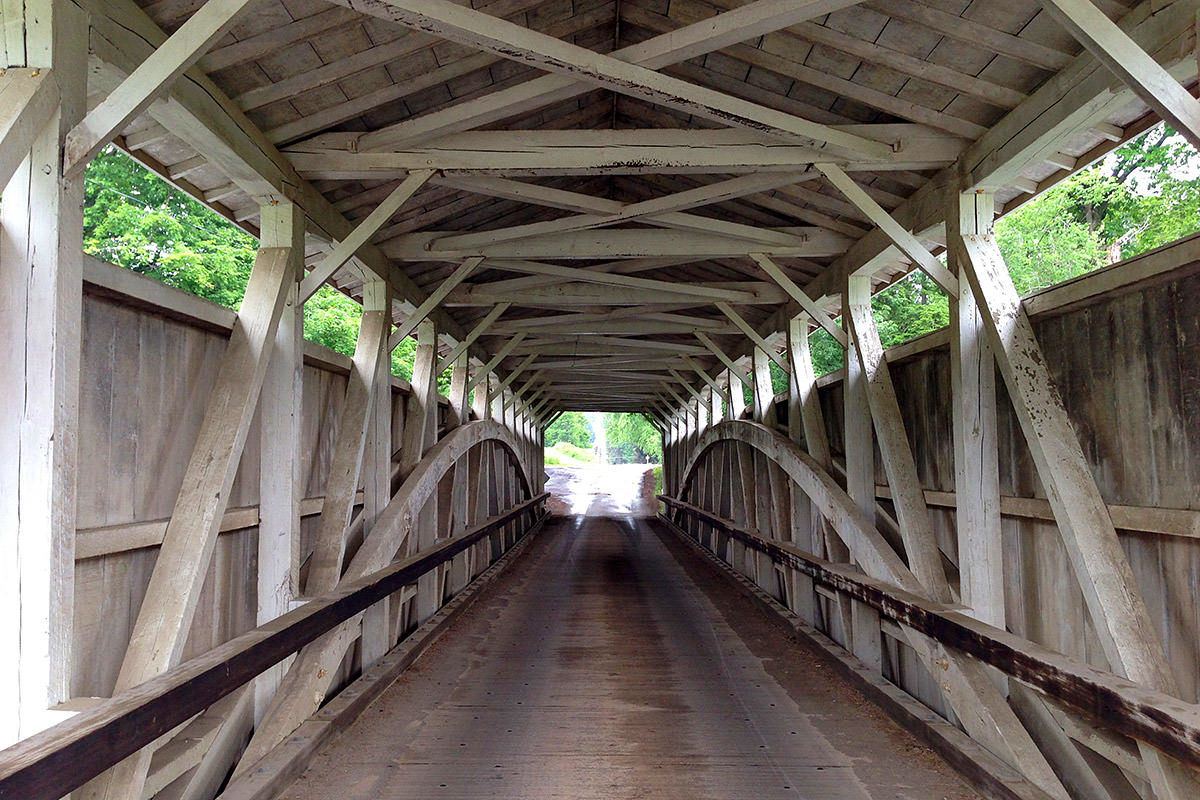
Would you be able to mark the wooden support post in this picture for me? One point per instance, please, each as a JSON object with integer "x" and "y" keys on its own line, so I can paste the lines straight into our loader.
{"x": 161, "y": 629}
{"x": 976, "y": 442}
{"x": 420, "y": 433}
{"x": 806, "y": 422}
{"x": 737, "y": 394}
{"x": 479, "y": 401}
{"x": 354, "y": 422}
{"x": 1118, "y": 612}
{"x": 41, "y": 227}
{"x": 764, "y": 391}
{"x": 458, "y": 389}
{"x": 916, "y": 528}
{"x": 280, "y": 484}
{"x": 859, "y": 436}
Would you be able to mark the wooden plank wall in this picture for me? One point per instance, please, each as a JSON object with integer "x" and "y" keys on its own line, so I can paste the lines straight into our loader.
{"x": 146, "y": 374}
{"x": 1127, "y": 363}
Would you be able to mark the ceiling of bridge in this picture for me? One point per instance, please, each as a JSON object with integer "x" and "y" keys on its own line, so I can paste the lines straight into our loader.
{"x": 612, "y": 300}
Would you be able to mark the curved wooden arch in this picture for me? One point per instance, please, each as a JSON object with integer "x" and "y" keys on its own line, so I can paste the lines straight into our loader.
{"x": 310, "y": 676}
{"x": 982, "y": 709}
{"x": 392, "y": 528}
{"x": 866, "y": 544}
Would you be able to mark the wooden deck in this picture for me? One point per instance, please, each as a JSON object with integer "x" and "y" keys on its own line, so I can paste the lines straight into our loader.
{"x": 600, "y": 667}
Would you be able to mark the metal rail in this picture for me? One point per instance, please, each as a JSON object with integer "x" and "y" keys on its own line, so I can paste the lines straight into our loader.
{"x": 53, "y": 763}
{"x": 1118, "y": 704}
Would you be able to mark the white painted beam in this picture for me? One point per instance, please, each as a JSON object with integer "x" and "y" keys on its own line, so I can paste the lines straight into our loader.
{"x": 796, "y": 293}
{"x": 620, "y": 243}
{"x": 623, "y": 152}
{"x": 28, "y": 99}
{"x": 362, "y": 232}
{"x": 183, "y": 49}
{"x": 481, "y": 375}
{"x": 662, "y": 211}
{"x": 729, "y": 363}
{"x": 748, "y": 329}
{"x": 894, "y": 230}
{"x": 432, "y": 302}
{"x": 506, "y": 39}
{"x": 1117, "y": 51}
{"x": 465, "y": 343}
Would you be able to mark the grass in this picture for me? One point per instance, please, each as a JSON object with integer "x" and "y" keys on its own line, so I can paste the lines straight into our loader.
{"x": 565, "y": 454}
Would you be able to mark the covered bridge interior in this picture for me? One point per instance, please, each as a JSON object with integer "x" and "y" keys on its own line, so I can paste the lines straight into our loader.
{"x": 219, "y": 543}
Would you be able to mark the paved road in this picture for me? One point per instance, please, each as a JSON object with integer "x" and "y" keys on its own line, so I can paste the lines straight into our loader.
{"x": 598, "y": 667}
{"x": 600, "y": 490}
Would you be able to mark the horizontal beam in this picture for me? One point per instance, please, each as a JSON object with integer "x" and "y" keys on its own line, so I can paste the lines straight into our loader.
{"x": 500, "y": 37}
{"x": 600, "y": 293}
{"x": 600, "y": 152}
{"x": 621, "y": 243}
{"x": 1113, "y": 702}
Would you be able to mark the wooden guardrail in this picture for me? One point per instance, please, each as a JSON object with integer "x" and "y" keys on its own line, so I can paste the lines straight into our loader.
{"x": 1162, "y": 721}
{"x": 53, "y": 763}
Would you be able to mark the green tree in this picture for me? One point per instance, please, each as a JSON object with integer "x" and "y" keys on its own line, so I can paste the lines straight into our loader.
{"x": 572, "y": 427}
{"x": 134, "y": 219}
{"x": 632, "y": 439}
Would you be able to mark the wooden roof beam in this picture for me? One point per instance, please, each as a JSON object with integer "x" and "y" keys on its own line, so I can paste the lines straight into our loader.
{"x": 663, "y": 211}
{"x": 431, "y": 302}
{"x": 1113, "y": 48}
{"x": 475, "y": 29}
{"x": 363, "y": 231}
{"x": 907, "y": 243}
{"x": 28, "y": 98}
{"x": 746, "y": 22}
{"x": 748, "y": 329}
{"x": 465, "y": 343}
{"x": 819, "y": 316}
{"x": 620, "y": 243}
{"x": 625, "y": 152}
{"x": 149, "y": 80}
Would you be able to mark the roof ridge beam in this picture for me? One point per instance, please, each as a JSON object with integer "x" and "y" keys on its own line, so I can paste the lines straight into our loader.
{"x": 661, "y": 211}
{"x": 747, "y": 22}
{"x": 481, "y": 31}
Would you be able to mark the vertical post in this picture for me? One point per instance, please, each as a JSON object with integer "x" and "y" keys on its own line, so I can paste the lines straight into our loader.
{"x": 280, "y": 487}
{"x": 737, "y": 395}
{"x": 860, "y": 444}
{"x": 458, "y": 388}
{"x": 479, "y": 401}
{"x": 976, "y": 446}
{"x": 41, "y": 224}
{"x": 764, "y": 391}
{"x": 376, "y": 472}
{"x": 420, "y": 433}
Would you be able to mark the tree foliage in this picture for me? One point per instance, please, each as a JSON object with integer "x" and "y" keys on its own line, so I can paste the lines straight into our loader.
{"x": 573, "y": 428}
{"x": 134, "y": 219}
{"x": 632, "y": 439}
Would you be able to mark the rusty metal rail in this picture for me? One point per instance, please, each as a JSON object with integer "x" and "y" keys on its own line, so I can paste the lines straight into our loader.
{"x": 60, "y": 759}
{"x": 1162, "y": 721}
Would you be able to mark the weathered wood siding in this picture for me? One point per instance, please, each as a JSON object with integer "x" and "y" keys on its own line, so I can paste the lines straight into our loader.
{"x": 1127, "y": 363}
{"x": 145, "y": 378}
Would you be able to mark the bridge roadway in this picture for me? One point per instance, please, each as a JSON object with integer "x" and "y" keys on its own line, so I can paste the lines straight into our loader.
{"x": 609, "y": 663}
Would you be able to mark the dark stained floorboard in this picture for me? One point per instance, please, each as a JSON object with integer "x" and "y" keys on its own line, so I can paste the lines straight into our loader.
{"x": 598, "y": 668}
